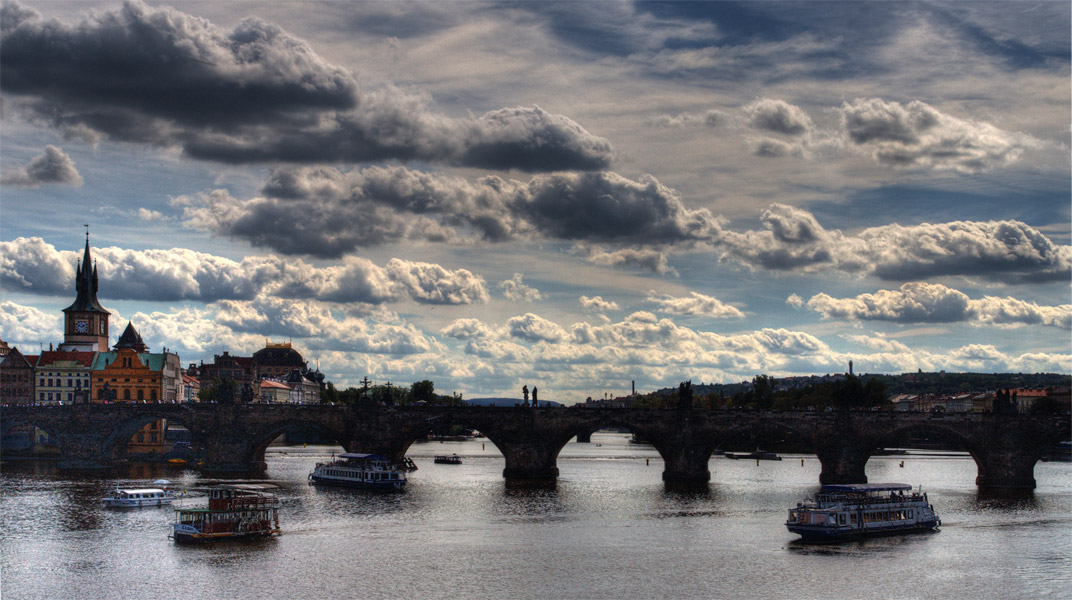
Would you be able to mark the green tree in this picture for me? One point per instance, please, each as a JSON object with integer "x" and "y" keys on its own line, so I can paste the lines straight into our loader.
{"x": 422, "y": 391}
{"x": 210, "y": 391}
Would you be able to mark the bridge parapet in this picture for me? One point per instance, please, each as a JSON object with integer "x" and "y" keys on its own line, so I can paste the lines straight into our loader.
{"x": 1005, "y": 447}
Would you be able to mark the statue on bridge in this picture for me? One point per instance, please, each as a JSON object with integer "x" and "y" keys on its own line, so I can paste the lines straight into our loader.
{"x": 525, "y": 392}
{"x": 684, "y": 395}
{"x": 534, "y": 401}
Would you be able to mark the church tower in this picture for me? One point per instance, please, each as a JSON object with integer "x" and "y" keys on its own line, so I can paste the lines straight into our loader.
{"x": 85, "y": 323}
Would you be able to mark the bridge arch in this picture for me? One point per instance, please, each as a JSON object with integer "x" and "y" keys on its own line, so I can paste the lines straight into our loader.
{"x": 114, "y": 443}
{"x": 262, "y": 438}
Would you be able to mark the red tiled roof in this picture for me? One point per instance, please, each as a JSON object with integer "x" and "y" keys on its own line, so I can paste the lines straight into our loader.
{"x": 52, "y": 356}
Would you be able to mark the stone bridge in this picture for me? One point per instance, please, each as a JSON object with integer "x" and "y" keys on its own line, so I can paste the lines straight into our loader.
{"x": 234, "y": 437}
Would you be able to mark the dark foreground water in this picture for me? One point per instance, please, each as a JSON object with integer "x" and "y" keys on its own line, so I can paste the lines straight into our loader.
{"x": 608, "y": 529}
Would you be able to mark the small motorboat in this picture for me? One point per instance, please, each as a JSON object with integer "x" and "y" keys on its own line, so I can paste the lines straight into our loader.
{"x": 136, "y": 498}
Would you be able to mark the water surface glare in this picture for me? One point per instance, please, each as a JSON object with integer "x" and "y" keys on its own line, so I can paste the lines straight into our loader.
{"x": 609, "y": 528}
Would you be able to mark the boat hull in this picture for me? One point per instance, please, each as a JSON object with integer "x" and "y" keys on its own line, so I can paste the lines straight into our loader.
{"x": 201, "y": 538}
{"x": 111, "y": 503}
{"x": 819, "y": 534}
{"x": 380, "y": 486}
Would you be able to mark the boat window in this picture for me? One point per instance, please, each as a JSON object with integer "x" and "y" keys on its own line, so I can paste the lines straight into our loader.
{"x": 841, "y": 518}
{"x": 852, "y": 519}
{"x": 910, "y": 513}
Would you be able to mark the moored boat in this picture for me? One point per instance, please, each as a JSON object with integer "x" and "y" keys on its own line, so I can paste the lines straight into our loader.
{"x": 453, "y": 459}
{"x": 757, "y": 455}
{"x": 135, "y": 498}
{"x": 850, "y": 511}
{"x": 233, "y": 511}
{"x": 367, "y": 471}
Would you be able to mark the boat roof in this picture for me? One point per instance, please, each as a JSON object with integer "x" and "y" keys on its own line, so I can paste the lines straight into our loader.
{"x": 362, "y": 456}
{"x": 867, "y": 487}
{"x": 142, "y": 491}
{"x": 251, "y": 487}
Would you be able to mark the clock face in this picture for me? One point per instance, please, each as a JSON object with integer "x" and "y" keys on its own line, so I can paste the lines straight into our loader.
{"x": 81, "y": 326}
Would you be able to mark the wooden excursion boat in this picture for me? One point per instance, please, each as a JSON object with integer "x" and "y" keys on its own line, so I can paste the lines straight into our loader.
{"x": 234, "y": 511}
{"x": 850, "y": 511}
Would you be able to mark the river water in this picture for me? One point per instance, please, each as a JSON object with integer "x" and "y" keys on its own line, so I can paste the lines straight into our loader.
{"x": 608, "y": 528}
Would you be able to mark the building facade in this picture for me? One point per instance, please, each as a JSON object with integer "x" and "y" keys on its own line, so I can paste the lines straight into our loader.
{"x": 63, "y": 377}
{"x": 17, "y": 378}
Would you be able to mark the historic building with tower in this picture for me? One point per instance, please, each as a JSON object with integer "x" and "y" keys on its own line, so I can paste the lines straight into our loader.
{"x": 85, "y": 322}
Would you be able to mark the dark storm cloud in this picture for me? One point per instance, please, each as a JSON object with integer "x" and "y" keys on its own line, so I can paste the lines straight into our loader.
{"x": 52, "y": 167}
{"x": 327, "y": 213}
{"x": 251, "y": 94}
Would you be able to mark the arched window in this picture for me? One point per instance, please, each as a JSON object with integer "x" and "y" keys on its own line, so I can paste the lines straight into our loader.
{"x": 126, "y": 394}
{"x": 141, "y": 394}
{"x": 153, "y": 396}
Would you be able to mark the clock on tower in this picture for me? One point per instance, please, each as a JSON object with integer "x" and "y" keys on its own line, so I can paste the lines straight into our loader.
{"x": 81, "y": 326}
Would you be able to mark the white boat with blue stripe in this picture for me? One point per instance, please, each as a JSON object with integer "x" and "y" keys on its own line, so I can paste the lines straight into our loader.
{"x": 367, "y": 471}
{"x": 850, "y": 511}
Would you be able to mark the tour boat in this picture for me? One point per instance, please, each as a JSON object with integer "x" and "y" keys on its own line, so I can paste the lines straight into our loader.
{"x": 138, "y": 497}
{"x": 369, "y": 471}
{"x": 233, "y": 511}
{"x": 849, "y": 511}
{"x": 453, "y": 459}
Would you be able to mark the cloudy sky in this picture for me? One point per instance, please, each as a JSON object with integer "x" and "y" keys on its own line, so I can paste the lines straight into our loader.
{"x": 567, "y": 195}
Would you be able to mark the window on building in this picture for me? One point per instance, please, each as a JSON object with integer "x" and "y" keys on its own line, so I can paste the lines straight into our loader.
{"x": 126, "y": 394}
{"x": 153, "y": 396}
{"x": 141, "y": 394}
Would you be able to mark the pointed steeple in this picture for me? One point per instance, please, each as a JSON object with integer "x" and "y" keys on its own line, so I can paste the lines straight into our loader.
{"x": 131, "y": 339}
{"x": 85, "y": 284}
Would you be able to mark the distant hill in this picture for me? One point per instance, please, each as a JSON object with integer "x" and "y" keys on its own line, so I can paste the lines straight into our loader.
{"x": 506, "y": 402}
{"x": 904, "y": 383}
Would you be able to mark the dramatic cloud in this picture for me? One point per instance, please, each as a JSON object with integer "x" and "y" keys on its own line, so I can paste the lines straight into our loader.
{"x": 432, "y": 284}
{"x": 709, "y": 118}
{"x": 915, "y": 135}
{"x": 920, "y": 302}
{"x": 31, "y": 265}
{"x": 534, "y": 328}
{"x": 52, "y": 167}
{"x": 27, "y": 326}
{"x": 262, "y": 96}
{"x": 778, "y": 116}
{"x": 1007, "y": 251}
{"x": 514, "y": 289}
{"x": 696, "y": 304}
{"x": 647, "y": 259}
{"x": 597, "y": 303}
{"x": 364, "y": 208}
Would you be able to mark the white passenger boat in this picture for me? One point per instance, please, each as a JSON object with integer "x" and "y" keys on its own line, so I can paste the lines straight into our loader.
{"x": 857, "y": 510}
{"x": 138, "y": 497}
{"x": 368, "y": 471}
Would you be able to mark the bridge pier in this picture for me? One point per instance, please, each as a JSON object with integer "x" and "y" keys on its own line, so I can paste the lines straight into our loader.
{"x": 83, "y": 451}
{"x": 843, "y": 462}
{"x": 585, "y": 437}
{"x": 529, "y": 460}
{"x": 1005, "y": 472}
{"x": 685, "y": 463}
